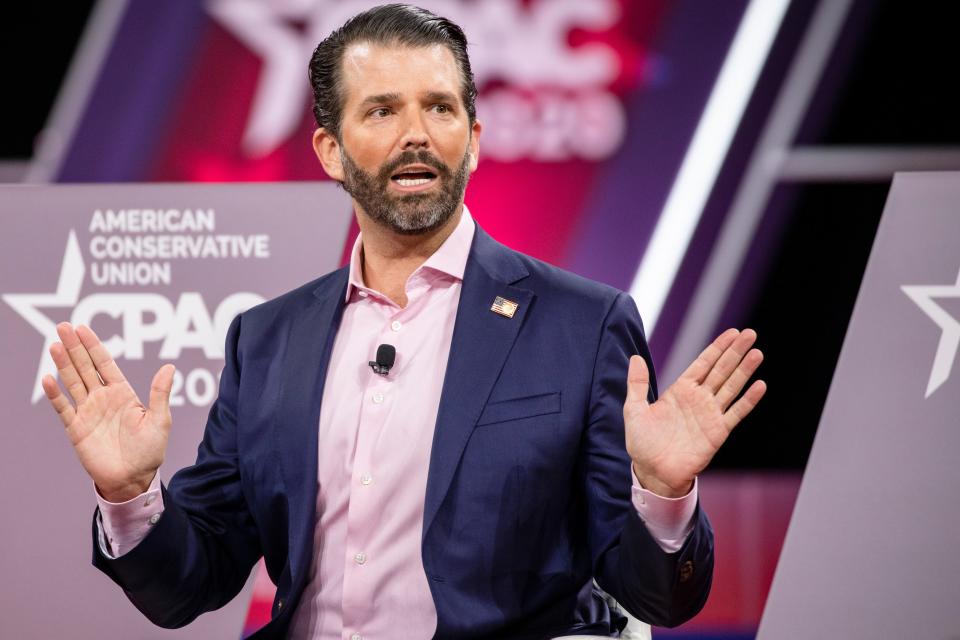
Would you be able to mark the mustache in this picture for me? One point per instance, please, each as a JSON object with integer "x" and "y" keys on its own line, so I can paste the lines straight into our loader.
{"x": 414, "y": 157}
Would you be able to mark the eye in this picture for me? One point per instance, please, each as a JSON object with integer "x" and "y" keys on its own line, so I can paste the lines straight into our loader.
{"x": 380, "y": 112}
{"x": 442, "y": 108}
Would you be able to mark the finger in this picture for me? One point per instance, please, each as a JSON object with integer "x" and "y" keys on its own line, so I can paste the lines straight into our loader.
{"x": 735, "y": 383}
{"x": 79, "y": 356}
{"x": 742, "y": 407}
{"x": 730, "y": 360}
{"x": 105, "y": 365}
{"x": 638, "y": 380}
{"x": 700, "y": 367}
{"x": 71, "y": 379}
{"x": 58, "y": 401}
{"x": 160, "y": 390}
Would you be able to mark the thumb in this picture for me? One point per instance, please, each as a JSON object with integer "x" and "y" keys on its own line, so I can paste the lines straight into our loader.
{"x": 160, "y": 390}
{"x": 638, "y": 380}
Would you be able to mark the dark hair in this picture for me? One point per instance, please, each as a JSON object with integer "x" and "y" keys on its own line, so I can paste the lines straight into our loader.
{"x": 390, "y": 24}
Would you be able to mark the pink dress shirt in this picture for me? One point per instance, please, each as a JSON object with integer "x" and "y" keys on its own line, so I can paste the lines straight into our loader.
{"x": 375, "y": 437}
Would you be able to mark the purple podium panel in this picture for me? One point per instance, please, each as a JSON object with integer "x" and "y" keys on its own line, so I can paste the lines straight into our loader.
{"x": 871, "y": 551}
{"x": 158, "y": 271}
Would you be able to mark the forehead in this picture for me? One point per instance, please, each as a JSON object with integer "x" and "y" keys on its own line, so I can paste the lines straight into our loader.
{"x": 372, "y": 69}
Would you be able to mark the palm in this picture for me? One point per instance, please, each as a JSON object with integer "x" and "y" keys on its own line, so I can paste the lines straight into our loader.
{"x": 674, "y": 439}
{"x": 120, "y": 442}
{"x": 115, "y": 436}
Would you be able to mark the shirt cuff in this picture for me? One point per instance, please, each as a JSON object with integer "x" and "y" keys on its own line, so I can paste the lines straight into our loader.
{"x": 669, "y": 520}
{"x": 121, "y": 526}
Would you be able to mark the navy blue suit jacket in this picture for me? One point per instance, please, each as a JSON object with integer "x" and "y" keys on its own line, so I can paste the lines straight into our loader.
{"x": 528, "y": 493}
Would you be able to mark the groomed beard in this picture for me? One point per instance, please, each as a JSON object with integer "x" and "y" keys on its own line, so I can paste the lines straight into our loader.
{"x": 408, "y": 213}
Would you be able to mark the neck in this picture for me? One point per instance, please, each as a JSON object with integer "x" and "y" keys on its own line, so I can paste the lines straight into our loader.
{"x": 388, "y": 258}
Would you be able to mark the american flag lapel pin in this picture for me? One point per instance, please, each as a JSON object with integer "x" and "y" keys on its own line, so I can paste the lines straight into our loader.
{"x": 504, "y": 307}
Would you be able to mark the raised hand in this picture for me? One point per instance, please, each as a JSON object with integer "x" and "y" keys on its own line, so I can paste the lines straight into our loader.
{"x": 120, "y": 442}
{"x": 673, "y": 439}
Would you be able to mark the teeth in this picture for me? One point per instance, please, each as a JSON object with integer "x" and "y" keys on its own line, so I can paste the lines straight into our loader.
{"x": 412, "y": 182}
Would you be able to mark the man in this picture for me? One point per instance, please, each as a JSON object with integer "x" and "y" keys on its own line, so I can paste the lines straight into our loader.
{"x": 478, "y": 486}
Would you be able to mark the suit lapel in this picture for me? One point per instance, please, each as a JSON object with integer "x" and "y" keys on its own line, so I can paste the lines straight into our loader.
{"x": 307, "y": 356}
{"x": 481, "y": 342}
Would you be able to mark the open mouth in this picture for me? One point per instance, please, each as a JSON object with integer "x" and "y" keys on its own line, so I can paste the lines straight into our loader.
{"x": 412, "y": 178}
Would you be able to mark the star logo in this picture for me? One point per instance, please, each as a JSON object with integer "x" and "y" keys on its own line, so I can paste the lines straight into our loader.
{"x": 923, "y": 296}
{"x": 27, "y": 305}
{"x": 269, "y": 30}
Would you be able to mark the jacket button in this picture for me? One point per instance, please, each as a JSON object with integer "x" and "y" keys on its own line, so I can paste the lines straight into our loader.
{"x": 686, "y": 571}
{"x": 279, "y": 604}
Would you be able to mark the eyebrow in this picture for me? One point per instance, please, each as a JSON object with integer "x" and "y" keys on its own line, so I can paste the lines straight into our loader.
{"x": 441, "y": 96}
{"x": 388, "y": 98}
{"x": 382, "y": 98}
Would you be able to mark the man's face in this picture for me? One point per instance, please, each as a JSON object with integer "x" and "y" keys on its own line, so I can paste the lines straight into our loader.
{"x": 406, "y": 147}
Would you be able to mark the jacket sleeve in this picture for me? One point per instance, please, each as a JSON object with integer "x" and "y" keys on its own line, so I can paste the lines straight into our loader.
{"x": 198, "y": 556}
{"x": 663, "y": 589}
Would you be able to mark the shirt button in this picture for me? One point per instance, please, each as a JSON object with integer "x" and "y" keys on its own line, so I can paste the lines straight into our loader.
{"x": 395, "y": 325}
{"x": 365, "y": 479}
{"x": 360, "y": 558}
{"x": 154, "y": 519}
{"x": 377, "y": 398}
{"x": 356, "y": 636}
{"x": 150, "y": 500}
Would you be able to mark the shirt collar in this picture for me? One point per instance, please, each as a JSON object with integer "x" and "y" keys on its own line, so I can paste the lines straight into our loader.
{"x": 450, "y": 258}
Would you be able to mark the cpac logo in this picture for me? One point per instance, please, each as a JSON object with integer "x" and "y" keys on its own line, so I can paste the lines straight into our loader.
{"x": 143, "y": 318}
{"x": 553, "y": 104}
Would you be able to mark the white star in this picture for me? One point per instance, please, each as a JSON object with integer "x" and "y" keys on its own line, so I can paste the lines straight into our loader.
{"x": 68, "y": 292}
{"x": 281, "y": 93}
{"x": 923, "y": 296}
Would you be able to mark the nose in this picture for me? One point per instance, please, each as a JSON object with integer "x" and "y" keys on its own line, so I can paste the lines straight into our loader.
{"x": 414, "y": 134}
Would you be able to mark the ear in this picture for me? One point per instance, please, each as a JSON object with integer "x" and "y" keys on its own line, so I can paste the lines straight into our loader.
{"x": 473, "y": 148}
{"x": 327, "y": 148}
